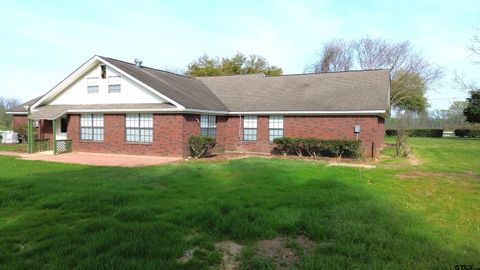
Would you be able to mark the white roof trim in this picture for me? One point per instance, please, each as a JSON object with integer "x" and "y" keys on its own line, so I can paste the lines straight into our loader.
{"x": 81, "y": 70}
{"x": 17, "y": 113}
{"x": 366, "y": 112}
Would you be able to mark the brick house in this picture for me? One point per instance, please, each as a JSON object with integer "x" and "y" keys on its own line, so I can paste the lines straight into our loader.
{"x": 112, "y": 106}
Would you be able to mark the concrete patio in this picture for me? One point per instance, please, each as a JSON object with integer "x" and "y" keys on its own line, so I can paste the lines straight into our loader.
{"x": 96, "y": 159}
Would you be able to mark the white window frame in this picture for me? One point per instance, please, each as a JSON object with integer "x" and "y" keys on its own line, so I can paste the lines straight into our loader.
{"x": 139, "y": 128}
{"x": 275, "y": 127}
{"x": 208, "y": 125}
{"x": 92, "y": 85}
{"x": 91, "y": 127}
{"x": 114, "y": 84}
{"x": 250, "y": 128}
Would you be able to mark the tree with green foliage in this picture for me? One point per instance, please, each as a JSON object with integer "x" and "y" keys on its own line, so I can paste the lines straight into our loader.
{"x": 238, "y": 64}
{"x": 472, "y": 111}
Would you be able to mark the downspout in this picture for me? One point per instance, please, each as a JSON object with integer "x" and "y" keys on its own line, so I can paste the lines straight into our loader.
{"x": 239, "y": 128}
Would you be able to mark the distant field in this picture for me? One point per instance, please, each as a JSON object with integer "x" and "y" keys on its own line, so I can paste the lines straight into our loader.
{"x": 282, "y": 213}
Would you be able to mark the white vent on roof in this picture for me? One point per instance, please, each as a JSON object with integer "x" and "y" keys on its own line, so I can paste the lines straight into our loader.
{"x": 138, "y": 63}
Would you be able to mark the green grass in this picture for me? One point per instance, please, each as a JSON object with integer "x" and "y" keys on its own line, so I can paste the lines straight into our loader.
{"x": 397, "y": 216}
{"x": 13, "y": 147}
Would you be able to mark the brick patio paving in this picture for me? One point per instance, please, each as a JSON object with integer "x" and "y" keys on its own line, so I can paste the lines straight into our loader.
{"x": 97, "y": 159}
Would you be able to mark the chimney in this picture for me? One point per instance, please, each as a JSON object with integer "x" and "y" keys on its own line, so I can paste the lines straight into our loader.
{"x": 138, "y": 63}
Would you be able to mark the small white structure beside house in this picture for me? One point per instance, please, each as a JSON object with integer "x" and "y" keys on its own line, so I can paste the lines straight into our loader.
{"x": 9, "y": 137}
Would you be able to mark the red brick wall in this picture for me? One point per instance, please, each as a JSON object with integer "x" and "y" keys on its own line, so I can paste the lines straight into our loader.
{"x": 172, "y": 131}
{"x": 168, "y": 136}
{"x": 329, "y": 127}
{"x": 19, "y": 120}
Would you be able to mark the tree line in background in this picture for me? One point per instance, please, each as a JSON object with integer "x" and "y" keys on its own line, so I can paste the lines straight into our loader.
{"x": 5, "y": 105}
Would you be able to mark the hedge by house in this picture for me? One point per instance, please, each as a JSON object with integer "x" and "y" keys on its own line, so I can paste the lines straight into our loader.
{"x": 469, "y": 133}
{"x": 200, "y": 145}
{"x": 428, "y": 133}
{"x": 315, "y": 147}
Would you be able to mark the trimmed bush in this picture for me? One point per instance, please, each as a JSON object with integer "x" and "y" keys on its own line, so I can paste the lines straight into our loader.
{"x": 391, "y": 132}
{"x": 317, "y": 147}
{"x": 427, "y": 133}
{"x": 200, "y": 145}
{"x": 469, "y": 133}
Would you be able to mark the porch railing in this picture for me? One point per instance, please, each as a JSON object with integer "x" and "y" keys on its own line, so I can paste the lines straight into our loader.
{"x": 64, "y": 146}
{"x": 40, "y": 145}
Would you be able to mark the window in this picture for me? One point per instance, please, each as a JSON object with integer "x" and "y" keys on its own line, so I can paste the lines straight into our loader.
{"x": 208, "y": 125}
{"x": 63, "y": 125}
{"x": 275, "y": 127}
{"x": 91, "y": 127}
{"x": 139, "y": 128}
{"x": 250, "y": 128}
{"x": 114, "y": 84}
{"x": 92, "y": 85}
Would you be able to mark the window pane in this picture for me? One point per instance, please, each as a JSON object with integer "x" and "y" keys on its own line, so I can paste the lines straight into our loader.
{"x": 86, "y": 133}
{"x": 250, "y": 121}
{"x": 275, "y": 133}
{"x": 92, "y": 81}
{"x": 212, "y": 121}
{"x": 146, "y": 135}
{"x": 92, "y": 89}
{"x": 249, "y": 134}
{"x": 114, "y": 88}
{"x": 203, "y": 121}
{"x": 132, "y": 120}
{"x": 98, "y": 134}
{"x": 146, "y": 120}
{"x": 114, "y": 80}
{"x": 275, "y": 121}
{"x": 133, "y": 135}
{"x": 86, "y": 120}
{"x": 97, "y": 120}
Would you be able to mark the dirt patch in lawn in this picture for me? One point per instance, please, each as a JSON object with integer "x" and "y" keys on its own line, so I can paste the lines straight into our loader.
{"x": 230, "y": 252}
{"x": 285, "y": 252}
{"x": 415, "y": 174}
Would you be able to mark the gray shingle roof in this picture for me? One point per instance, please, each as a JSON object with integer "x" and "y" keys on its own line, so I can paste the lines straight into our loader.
{"x": 189, "y": 92}
{"x": 340, "y": 91}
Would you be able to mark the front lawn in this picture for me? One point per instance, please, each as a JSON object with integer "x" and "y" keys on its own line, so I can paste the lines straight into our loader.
{"x": 397, "y": 216}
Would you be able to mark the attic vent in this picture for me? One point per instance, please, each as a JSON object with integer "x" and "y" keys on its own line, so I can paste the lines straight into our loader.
{"x": 138, "y": 63}
{"x": 103, "y": 74}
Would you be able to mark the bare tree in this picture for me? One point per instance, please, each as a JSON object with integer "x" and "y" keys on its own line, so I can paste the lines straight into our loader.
{"x": 412, "y": 74}
{"x": 474, "y": 46}
{"x": 459, "y": 80}
{"x": 336, "y": 55}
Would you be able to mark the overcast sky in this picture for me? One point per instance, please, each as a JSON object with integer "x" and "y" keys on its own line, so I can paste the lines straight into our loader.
{"x": 43, "y": 42}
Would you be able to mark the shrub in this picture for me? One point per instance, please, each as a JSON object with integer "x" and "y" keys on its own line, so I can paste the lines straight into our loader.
{"x": 283, "y": 144}
{"x": 429, "y": 133}
{"x": 391, "y": 132}
{"x": 200, "y": 145}
{"x": 317, "y": 147}
{"x": 469, "y": 133}
{"x": 22, "y": 131}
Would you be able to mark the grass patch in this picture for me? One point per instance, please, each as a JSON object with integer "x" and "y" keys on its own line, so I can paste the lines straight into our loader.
{"x": 13, "y": 147}
{"x": 71, "y": 216}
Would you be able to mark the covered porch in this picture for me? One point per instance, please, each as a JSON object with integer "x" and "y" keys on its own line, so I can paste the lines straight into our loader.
{"x": 48, "y": 128}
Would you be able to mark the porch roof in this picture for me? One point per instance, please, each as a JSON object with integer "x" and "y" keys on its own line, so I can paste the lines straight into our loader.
{"x": 51, "y": 112}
